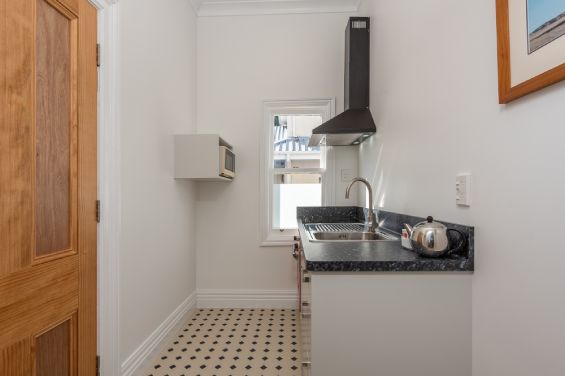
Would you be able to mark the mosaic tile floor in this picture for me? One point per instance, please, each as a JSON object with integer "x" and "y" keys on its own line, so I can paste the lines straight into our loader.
{"x": 233, "y": 342}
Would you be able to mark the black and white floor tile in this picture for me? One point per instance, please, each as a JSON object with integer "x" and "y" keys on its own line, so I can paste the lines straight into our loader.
{"x": 233, "y": 342}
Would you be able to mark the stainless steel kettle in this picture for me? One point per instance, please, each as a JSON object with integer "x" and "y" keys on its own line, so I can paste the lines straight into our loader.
{"x": 430, "y": 238}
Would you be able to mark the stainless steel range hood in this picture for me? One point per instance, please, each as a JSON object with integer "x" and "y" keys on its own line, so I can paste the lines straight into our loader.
{"x": 356, "y": 123}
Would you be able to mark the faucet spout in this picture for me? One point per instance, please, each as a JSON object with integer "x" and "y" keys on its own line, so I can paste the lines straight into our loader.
{"x": 371, "y": 220}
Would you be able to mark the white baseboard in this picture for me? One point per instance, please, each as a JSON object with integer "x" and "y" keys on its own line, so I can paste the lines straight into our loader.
{"x": 209, "y": 298}
{"x": 134, "y": 362}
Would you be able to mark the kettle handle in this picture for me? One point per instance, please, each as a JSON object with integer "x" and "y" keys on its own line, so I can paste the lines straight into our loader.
{"x": 462, "y": 241}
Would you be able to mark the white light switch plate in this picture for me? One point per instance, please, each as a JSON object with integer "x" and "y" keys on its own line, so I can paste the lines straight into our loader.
{"x": 346, "y": 175}
{"x": 463, "y": 189}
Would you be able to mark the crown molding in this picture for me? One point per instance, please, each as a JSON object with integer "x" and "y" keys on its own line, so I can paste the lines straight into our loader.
{"x": 214, "y": 8}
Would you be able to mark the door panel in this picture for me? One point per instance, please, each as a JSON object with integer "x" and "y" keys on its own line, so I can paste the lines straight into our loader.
{"x": 53, "y": 351}
{"x": 55, "y": 130}
{"x": 47, "y": 187}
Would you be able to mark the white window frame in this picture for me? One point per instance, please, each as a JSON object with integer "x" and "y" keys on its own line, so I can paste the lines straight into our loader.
{"x": 325, "y": 107}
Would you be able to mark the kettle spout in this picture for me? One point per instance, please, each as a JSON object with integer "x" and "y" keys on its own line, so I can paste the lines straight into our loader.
{"x": 408, "y": 228}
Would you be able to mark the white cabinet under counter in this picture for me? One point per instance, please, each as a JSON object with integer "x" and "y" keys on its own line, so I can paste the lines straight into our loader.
{"x": 392, "y": 324}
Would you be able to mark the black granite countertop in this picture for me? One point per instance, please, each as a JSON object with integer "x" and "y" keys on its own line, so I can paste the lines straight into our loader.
{"x": 386, "y": 256}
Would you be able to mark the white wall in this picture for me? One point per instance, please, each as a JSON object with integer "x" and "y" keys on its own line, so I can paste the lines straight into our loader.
{"x": 158, "y": 98}
{"x": 243, "y": 61}
{"x": 434, "y": 99}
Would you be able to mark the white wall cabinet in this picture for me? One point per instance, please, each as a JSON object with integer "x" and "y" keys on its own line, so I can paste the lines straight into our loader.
{"x": 197, "y": 157}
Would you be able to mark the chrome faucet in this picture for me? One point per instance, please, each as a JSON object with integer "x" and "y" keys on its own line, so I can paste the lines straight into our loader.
{"x": 371, "y": 220}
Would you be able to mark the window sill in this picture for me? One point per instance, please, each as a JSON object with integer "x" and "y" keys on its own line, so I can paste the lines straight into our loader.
{"x": 274, "y": 239}
{"x": 274, "y": 243}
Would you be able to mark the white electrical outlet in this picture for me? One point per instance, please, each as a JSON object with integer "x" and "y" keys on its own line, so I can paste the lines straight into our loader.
{"x": 463, "y": 189}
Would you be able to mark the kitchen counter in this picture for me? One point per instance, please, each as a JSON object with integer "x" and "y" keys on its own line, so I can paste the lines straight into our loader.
{"x": 385, "y": 256}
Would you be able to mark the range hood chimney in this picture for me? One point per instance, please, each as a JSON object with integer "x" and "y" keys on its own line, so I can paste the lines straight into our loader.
{"x": 355, "y": 124}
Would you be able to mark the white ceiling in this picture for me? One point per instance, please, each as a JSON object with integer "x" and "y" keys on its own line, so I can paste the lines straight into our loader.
{"x": 207, "y": 8}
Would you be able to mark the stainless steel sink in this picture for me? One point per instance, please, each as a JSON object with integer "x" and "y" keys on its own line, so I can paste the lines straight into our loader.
{"x": 345, "y": 232}
{"x": 348, "y": 236}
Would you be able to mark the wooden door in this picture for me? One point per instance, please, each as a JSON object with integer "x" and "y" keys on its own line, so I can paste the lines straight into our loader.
{"x": 48, "y": 79}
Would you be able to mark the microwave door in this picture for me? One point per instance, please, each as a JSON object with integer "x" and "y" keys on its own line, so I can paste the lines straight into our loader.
{"x": 227, "y": 162}
{"x": 230, "y": 161}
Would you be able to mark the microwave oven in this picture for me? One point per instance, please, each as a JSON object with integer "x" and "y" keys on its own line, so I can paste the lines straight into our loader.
{"x": 227, "y": 162}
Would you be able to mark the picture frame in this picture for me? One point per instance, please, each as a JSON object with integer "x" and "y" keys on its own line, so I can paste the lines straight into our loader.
{"x": 523, "y": 69}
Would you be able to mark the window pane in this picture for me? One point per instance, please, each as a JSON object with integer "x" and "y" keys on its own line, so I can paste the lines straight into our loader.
{"x": 291, "y": 135}
{"x": 291, "y": 191}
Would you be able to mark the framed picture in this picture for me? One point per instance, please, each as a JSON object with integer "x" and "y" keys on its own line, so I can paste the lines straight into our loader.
{"x": 531, "y": 46}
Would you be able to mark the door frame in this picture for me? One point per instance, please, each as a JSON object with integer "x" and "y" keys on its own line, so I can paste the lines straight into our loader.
{"x": 109, "y": 187}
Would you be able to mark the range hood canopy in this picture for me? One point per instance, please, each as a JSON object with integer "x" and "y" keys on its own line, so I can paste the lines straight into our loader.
{"x": 356, "y": 123}
{"x": 348, "y": 128}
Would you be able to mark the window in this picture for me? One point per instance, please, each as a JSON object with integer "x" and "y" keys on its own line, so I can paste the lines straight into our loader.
{"x": 293, "y": 173}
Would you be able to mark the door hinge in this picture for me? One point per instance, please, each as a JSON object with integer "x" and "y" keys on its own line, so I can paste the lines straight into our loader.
{"x": 98, "y": 211}
{"x": 97, "y": 54}
{"x": 97, "y": 365}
